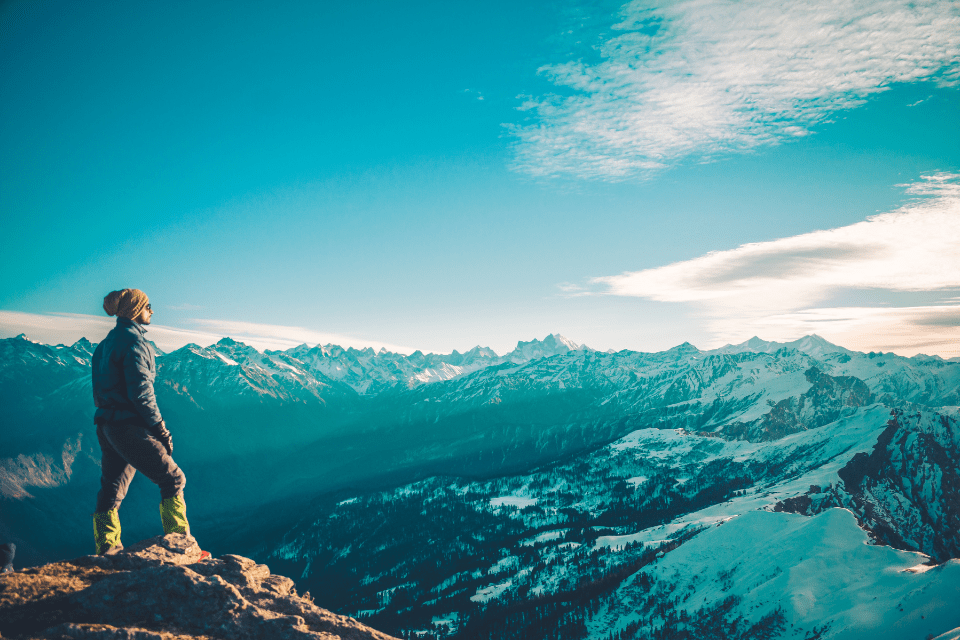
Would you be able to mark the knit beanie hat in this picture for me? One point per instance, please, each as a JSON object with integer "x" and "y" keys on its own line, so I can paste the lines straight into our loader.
{"x": 126, "y": 303}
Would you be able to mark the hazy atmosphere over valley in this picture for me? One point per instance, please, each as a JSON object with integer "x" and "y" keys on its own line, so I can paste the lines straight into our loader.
{"x": 569, "y": 319}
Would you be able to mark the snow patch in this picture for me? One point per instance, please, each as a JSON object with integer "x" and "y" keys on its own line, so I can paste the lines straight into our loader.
{"x": 512, "y": 501}
{"x": 492, "y": 592}
{"x": 546, "y": 536}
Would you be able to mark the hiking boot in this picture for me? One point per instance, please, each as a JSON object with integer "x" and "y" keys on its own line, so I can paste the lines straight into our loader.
{"x": 173, "y": 515}
{"x": 106, "y": 532}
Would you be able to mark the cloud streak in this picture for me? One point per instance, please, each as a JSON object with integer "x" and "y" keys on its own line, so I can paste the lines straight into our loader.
{"x": 67, "y": 328}
{"x": 285, "y": 337}
{"x": 701, "y": 78}
{"x": 777, "y": 289}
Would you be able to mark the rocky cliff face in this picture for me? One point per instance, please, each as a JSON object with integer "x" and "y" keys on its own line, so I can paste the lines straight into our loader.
{"x": 906, "y": 491}
{"x": 159, "y": 590}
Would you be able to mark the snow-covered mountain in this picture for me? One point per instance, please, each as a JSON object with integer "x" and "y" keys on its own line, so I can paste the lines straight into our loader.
{"x": 812, "y": 345}
{"x": 904, "y": 491}
{"x": 551, "y": 488}
{"x": 370, "y": 372}
{"x": 774, "y": 575}
{"x": 659, "y": 534}
{"x": 553, "y": 345}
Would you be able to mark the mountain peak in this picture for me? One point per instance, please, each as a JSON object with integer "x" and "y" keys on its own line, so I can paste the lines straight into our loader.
{"x": 684, "y": 349}
{"x": 816, "y": 339}
{"x": 233, "y": 345}
{"x": 478, "y": 351}
{"x": 557, "y": 339}
{"x": 816, "y": 346}
{"x": 553, "y": 340}
{"x": 84, "y": 346}
{"x": 190, "y": 347}
{"x": 812, "y": 344}
{"x": 552, "y": 345}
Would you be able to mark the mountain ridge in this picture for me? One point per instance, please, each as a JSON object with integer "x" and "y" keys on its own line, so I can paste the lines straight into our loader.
{"x": 526, "y": 482}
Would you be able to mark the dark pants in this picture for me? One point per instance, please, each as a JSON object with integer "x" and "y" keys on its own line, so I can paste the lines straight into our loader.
{"x": 129, "y": 447}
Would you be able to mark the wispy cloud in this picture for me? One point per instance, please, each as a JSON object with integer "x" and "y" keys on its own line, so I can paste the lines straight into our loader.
{"x": 777, "y": 289}
{"x": 54, "y": 328}
{"x": 704, "y": 77}
{"x": 572, "y": 290}
{"x": 933, "y": 330}
{"x": 67, "y": 328}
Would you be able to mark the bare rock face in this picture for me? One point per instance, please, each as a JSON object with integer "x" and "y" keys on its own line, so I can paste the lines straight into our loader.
{"x": 159, "y": 590}
{"x": 906, "y": 492}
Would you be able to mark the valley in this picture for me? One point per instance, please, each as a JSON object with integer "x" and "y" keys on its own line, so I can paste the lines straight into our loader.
{"x": 555, "y": 491}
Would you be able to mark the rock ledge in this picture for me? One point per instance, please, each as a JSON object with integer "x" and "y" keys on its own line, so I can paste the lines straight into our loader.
{"x": 158, "y": 590}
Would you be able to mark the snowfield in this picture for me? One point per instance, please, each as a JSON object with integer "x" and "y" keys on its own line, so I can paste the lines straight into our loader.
{"x": 819, "y": 571}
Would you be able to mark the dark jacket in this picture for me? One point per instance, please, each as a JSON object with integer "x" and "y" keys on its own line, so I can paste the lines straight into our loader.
{"x": 123, "y": 374}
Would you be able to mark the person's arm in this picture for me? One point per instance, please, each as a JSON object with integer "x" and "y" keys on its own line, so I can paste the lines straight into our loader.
{"x": 139, "y": 378}
{"x": 96, "y": 374}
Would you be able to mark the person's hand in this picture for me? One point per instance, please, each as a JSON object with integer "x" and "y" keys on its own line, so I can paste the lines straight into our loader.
{"x": 163, "y": 435}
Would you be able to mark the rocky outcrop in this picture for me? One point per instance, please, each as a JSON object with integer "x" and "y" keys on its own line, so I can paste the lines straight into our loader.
{"x": 159, "y": 590}
{"x": 828, "y": 399}
{"x": 906, "y": 492}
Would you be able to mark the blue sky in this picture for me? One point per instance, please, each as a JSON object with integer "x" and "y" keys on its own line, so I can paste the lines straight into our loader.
{"x": 435, "y": 175}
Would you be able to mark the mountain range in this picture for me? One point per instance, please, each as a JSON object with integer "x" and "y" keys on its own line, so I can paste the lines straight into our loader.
{"x": 555, "y": 491}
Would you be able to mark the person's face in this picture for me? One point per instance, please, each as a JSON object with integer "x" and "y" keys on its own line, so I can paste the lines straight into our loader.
{"x": 144, "y": 317}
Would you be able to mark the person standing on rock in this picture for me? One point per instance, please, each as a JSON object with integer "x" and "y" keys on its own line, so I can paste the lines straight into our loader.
{"x": 133, "y": 436}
